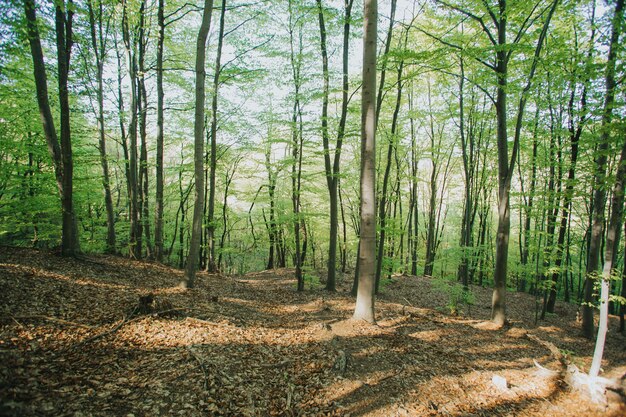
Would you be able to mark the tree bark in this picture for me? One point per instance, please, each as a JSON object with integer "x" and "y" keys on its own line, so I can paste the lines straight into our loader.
{"x": 599, "y": 193}
{"x": 332, "y": 168}
{"x": 98, "y": 43}
{"x": 383, "y": 198}
{"x": 211, "y": 266}
{"x": 135, "y": 226}
{"x": 158, "y": 203}
{"x": 60, "y": 150}
{"x": 612, "y": 240}
{"x": 364, "y": 308}
{"x": 296, "y": 143}
{"x": 196, "y": 231}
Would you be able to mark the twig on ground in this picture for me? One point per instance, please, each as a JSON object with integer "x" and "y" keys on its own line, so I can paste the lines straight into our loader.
{"x": 276, "y": 365}
{"x": 47, "y": 318}
{"x": 202, "y": 366}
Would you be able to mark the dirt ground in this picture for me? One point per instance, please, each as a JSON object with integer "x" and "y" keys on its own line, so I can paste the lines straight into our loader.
{"x": 75, "y": 340}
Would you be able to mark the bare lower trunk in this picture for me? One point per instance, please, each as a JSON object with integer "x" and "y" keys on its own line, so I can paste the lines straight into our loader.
{"x": 364, "y": 308}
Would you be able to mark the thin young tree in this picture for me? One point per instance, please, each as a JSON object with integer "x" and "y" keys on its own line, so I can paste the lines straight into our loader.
{"x": 198, "y": 136}
{"x": 296, "y": 54}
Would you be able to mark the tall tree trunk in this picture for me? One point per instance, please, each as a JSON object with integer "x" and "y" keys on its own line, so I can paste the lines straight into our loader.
{"x": 622, "y": 310}
{"x": 383, "y": 198}
{"x": 575, "y": 133}
{"x": 506, "y": 167}
{"x": 364, "y": 308}
{"x": 432, "y": 232}
{"x": 528, "y": 209}
{"x": 98, "y": 44}
{"x": 599, "y": 193}
{"x": 122, "y": 124}
{"x": 60, "y": 150}
{"x": 135, "y": 226}
{"x": 198, "y": 135}
{"x": 63, "y": 24}
{"x": 413, "y": 206}
{"x": 41, "y": 84}
{"x": 332, "y": 168}
{"x": 158, "y": 203}
{"x": 144, "y": 211}
{"x": 211, "y": 267}
{"x": 466, "y": 224}
{"x": 296, "y": 143}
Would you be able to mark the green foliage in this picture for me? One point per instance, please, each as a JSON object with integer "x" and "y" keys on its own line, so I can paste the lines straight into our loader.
{"x": 311, "y": 280}
{"x": 458, "y": 297}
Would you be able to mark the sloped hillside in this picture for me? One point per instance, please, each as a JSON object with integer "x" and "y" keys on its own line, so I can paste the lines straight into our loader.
{"x": 108, "y": 336}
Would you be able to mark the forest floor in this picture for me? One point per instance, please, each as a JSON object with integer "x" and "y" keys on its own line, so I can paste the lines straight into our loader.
{"x": 76, "y": 341}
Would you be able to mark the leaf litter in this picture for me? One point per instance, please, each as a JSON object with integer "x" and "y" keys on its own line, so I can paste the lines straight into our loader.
{"x": 110, "y": 336}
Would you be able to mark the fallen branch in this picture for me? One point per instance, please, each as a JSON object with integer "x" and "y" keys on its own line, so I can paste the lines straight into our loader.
{"x": 276, "y": 365}
{"x": 550, "y": 346}
{"x": 47, "y": 318}
{"x": 202, "y": 366}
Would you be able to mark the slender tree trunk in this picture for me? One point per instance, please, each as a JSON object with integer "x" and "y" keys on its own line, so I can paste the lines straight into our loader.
{"x": 332, "y": 168}
{"x": 431, "y": 234}
{"x": 296, "y": 143}
{"x": 528, "y": 211}
{"x": 63, "y": 23}
{"x": 41, "y": 84}
{"x": 135, "y": 227}
{"x": 364, "y": 308}
{"x": 99, "y": 47}
{"x": 466, "y": 224}
{"x": 413, "y": 206}
{"x": 211, "y": 267}
{"x": 158, "y": 203}
{"x": 194, "y": 245}
{"x": 383, "y": 199}
{"x": 506, "y": 168}
{"x": 622, "y": 310}
{"x": 227, "y": 181}
{"x": 575, "y": 133}
{"x": 144, "y": 211}
{"x": 611, "y": 247}
{"x": 599, "y": 193}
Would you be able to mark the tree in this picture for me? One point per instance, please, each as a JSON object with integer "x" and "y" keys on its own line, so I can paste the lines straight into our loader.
{"x": 98, "y": 43}
{"x": 496, "y": 29}
{"x": 158, "y": 203}
{"x": 60, "y": 152}
{"x": 332, "y": 171}
{"x": 611, "y": 247}
{"x": 196, "y": 231}
{"x": 364, "y": 308}
{"x": 602, "y": 152}
{"x": 211, "y": 265}
{"x": 131, "y": 153}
